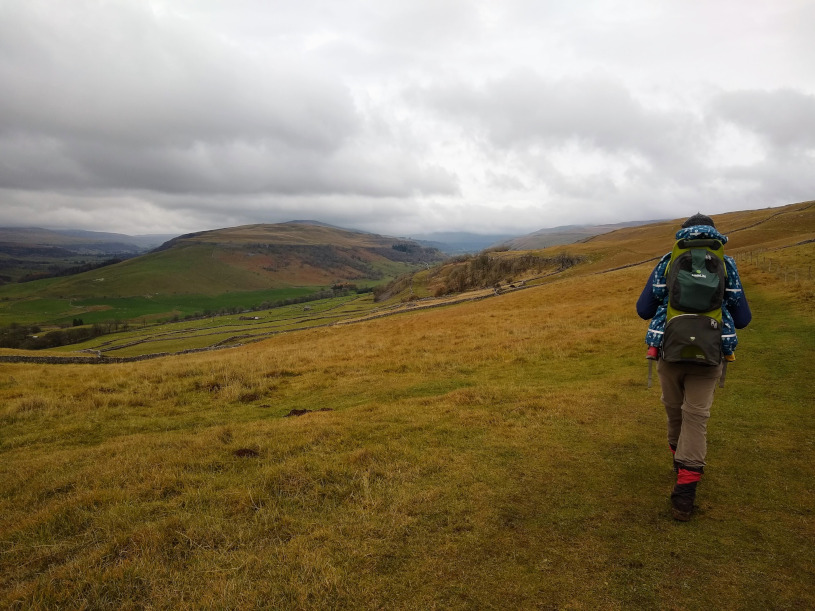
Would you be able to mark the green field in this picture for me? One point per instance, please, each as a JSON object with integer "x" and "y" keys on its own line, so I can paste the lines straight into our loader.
{"x": 62, "y": 311}
{"x": 230, "y": 330}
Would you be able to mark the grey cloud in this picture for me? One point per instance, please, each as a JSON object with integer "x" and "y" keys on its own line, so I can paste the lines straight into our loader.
{"x": 526, "y": 111}
{"x": 238, "y": 168}
{"x": 524, "y": 108}
{"x": 778, "y": 179}
{"x": 139, "y": 212}
{"x": 425, "y": 114}
{"x": 642, "y": 153}
{"x": 127, "y": 74}
{"x": 134, "y": 99}
{"x": 426, "y": 25}
{"x": 784, "y": 118}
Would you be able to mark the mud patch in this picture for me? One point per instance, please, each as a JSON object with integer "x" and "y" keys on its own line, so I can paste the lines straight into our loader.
{"x": 301, "y": 412}
{"x": 246, "y": 453}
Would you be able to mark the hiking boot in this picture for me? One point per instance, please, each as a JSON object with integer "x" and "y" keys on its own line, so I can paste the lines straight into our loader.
{"x": 682, "y": 499}
{"x": 684, "y": 492}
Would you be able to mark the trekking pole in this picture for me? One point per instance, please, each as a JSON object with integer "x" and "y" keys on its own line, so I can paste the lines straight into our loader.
{"x": 652, "y": 355}
{"x": 727, "y": 358}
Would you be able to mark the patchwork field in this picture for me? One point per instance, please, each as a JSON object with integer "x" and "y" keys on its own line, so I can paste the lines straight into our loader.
{"x": 498, "y": 453}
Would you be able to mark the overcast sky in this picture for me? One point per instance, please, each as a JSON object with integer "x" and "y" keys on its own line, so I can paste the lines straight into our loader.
{"x": 401, "y": 116}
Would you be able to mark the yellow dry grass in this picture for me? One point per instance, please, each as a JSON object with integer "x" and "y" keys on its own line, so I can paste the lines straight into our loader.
{"x": 502, "y": 453}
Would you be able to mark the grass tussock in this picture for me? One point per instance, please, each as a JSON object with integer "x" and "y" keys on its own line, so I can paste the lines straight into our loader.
{"x": 504, "y": 453}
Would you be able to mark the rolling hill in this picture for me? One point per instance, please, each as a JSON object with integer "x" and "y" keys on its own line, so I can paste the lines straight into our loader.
{"x": 458, "y": 243}
{"x": 78, "y": 241}
{"x": 258, "y": 261}
{"x": 566, "y": 234}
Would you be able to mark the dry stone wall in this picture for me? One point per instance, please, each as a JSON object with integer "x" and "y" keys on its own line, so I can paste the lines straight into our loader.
{"x": 99, "y": 359}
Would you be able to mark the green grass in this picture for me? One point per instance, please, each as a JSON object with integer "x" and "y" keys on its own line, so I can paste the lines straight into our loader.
{"x": 192, "y": 268}
{"x": 63, "y": 311}
{"x": 37, "y": 310}
{"x": 205, "y": 332}
{"x": 182, "y": 305}
{"x": 24, "y": 303}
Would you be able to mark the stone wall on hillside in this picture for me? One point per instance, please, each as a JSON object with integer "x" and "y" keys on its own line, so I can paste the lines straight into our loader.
{"x": 99, "y": 359}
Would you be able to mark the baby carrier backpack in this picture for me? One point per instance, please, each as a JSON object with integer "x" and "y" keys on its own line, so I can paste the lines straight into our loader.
{"x": 696, "y": 277}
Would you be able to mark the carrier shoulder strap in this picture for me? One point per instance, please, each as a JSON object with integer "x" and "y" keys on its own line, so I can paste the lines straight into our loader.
{"x": 685, "y": 244}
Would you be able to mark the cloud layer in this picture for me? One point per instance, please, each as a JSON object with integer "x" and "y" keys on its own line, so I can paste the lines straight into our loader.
{"x": 400, "y": 117}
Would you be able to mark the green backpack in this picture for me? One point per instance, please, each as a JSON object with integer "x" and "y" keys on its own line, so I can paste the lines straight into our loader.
{"x": 696, "y": 278}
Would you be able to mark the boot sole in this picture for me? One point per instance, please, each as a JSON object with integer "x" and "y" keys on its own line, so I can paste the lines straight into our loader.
{"x": 682, "y": 516}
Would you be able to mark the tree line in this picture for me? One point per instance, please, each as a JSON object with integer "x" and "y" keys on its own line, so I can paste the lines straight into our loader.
{"x": 30, "y": 337}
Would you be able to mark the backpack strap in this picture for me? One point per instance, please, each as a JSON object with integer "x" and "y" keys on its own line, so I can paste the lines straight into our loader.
{"x": 700, "y": 243}
{"x": 716, "y": 247}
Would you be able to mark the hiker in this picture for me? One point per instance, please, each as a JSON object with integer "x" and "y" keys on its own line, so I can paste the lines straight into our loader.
{"x": 688, "y": 377}
{"x": 656, "y": 330}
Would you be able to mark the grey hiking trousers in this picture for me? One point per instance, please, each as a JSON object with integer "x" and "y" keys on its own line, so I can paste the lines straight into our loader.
{"x": 687, "y": 393}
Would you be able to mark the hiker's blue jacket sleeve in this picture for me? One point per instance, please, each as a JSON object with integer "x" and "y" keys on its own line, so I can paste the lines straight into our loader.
{"x": 741, "y": 313}
{"x": 648, "y": 303}
{"x": 736, "y": 300}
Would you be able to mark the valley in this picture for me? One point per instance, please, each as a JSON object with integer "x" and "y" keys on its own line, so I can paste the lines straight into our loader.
{"x": 245, "y": 268}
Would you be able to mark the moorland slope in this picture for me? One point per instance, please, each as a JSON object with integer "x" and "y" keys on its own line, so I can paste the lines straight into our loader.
{"x": 498, "y": 453}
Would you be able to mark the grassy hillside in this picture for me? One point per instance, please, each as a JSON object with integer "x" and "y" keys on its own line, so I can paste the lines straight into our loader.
{"x": 501, "y": 453}
{"x": 191, "y": 270}
{"x": 783, "y": 234}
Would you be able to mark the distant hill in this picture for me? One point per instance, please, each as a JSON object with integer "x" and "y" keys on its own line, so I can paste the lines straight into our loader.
{"x": 95, "y": 238}
{"x": 247, "y": 258}
{"x": 79, "y": 241}
{"x": 457, "y": 242}
{"x": 460, "y": 242}
{"x": 321, "y": 224}
{"x": 28, "y": 253}
{"x": 565, "y": 234}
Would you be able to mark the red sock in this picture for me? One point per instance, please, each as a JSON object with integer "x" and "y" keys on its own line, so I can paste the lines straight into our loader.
{"x": 684, "y": 476}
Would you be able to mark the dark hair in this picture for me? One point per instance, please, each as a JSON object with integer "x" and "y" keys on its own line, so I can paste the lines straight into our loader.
{"x": 699, "y": 219}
